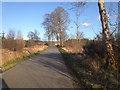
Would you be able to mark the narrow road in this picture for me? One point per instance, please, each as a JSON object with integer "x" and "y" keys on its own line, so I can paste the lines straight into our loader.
{"x": 46, "y": 70}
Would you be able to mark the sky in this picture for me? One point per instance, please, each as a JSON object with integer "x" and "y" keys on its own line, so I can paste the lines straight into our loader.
{"x": 28, "y": 16}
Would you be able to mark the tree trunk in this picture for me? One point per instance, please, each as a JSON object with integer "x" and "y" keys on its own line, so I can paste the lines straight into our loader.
{"x": 110, "y": 60}
{"x": 77, "y": 26}
{"x": 57, "y": 37}
{"x": 61, "y": 43}
{"x": 52, "y": 39}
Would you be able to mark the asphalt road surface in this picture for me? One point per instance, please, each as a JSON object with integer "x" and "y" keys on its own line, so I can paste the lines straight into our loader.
{"x": 45, "y": 70}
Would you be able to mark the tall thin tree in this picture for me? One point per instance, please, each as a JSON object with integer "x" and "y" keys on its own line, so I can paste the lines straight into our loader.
{"x": 77, "y": 6}
{"x": 110, "y": 60}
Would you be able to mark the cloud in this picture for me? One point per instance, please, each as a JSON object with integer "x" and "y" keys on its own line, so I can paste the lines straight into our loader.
{"x": 85, "y": 24}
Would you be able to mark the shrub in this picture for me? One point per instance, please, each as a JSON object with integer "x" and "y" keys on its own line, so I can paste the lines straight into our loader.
{"x": 95, "y": 48}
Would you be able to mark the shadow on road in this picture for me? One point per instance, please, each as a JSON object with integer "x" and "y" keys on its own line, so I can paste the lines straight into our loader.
{"x": 52, "y": 61}
{"x": 55, "y": 62}
{"x": 41, "y": 70}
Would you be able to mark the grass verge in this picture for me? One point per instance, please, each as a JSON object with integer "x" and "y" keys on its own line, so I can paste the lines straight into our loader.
{"x": 87, "y": 76}
{"x": 71, "y": 64}
{"x": 13, "y": 63}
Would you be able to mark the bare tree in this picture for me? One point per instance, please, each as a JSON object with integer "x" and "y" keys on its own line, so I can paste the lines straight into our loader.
{"x": 10, "y": 40}
{"x": 77, "y": 6}
{"x": 47, "y": 23}
{"x": 56, "y": 23}
{"x": 19, "y": 41}
{"x": 31, "y": 35}
{"x": 62, "y": 21}
{"x": 80, "y": 35}
{"x": 36, "y": 35}
{"x": 112, "y": 20}
{"x": 65, "y": 36}
{"x": 110, "y": 60}
{"x": 31, "y": 38}
{"x": 72, "y": 36}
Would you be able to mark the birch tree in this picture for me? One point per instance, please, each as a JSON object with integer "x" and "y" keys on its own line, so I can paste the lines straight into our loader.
{"x": 56, "y": 24}
{"x": 62, "y": 20}
{"x": 110, "y": 60}
{"x": 49, "y": 26}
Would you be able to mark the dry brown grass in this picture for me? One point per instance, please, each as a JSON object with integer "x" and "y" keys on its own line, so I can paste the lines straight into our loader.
{"x": 8, "y": 55}
{"x": 75, "y": 46}
{"x": 89, "y": 65}
{"x": 89, "y": 70}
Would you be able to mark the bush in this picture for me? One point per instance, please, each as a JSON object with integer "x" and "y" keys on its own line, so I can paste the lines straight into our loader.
{"x": 47, "y": 44}
{"x": 75, "y": 45}
{"x": 95, "y": 48}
